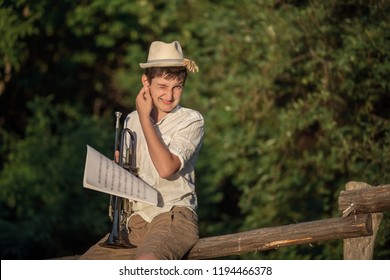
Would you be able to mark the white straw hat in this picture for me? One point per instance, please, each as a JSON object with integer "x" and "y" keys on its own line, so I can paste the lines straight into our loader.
{"x": 168, "y": 54}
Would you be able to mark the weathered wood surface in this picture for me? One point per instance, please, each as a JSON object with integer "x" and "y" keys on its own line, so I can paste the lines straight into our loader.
{"x": 360, "y": 197}
{"x": 365, "y": 198}
{"x": 259, "y": 239}
{"x": 276, "y": 237}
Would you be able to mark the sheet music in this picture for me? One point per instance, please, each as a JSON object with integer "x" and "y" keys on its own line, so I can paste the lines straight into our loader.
{"x": 104, "y": 175}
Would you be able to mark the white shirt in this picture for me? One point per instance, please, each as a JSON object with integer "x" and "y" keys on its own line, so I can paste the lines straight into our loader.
{"x": 182, "y": 132}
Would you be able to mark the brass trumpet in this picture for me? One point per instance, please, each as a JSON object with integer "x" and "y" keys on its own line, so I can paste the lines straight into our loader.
{"x": 119, "y": 209}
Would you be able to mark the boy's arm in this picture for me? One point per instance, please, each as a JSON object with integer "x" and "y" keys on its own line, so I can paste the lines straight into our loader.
{"x": 164, "y": 161}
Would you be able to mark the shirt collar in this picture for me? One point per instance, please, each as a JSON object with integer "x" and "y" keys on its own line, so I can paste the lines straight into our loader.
{"x": 177, "y": 108}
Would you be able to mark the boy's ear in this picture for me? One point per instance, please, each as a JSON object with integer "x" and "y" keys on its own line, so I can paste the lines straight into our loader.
{"x": 144, "y": 80}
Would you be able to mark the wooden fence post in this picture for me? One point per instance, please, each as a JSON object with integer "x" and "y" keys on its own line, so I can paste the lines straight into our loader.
{"x": 361, "y": 248}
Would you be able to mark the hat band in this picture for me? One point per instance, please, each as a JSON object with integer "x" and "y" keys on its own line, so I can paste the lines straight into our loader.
{"x": 165, "y": 61}
{"x": 189, "y": 64}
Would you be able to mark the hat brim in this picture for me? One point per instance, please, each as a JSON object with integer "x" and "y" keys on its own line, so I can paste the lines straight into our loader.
{"x": 162, "y": 63}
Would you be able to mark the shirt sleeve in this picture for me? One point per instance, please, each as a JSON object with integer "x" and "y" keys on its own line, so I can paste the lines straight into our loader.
{"x": 186, "y": 142}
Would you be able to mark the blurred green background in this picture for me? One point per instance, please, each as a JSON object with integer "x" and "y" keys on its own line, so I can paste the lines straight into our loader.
{"x": 295, "y": 95}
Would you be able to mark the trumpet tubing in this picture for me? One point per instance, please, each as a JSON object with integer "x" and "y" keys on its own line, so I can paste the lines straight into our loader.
{"x": 120, "y": 209}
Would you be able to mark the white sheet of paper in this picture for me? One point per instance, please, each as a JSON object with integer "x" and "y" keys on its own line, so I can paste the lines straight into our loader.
{"x": 104, "y": 175}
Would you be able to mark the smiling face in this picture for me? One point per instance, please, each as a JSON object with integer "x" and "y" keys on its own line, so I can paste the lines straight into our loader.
{"x": 166, "y": 94}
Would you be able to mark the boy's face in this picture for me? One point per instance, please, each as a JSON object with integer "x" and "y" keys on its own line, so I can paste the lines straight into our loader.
{"x": 166, "y": 93}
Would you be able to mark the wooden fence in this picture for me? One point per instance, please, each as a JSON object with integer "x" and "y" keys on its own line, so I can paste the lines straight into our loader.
{"x": 360, "y": 206}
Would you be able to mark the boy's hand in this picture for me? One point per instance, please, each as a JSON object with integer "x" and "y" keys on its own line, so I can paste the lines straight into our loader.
{"x": 116, "y": 156}
{"x": 144, "y": 102}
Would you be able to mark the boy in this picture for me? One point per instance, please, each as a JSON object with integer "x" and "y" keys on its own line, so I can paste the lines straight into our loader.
{"x": 168, "y": 140}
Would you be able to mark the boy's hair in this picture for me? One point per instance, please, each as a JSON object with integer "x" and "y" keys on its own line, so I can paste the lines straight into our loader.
{"x": 169, "y": 73}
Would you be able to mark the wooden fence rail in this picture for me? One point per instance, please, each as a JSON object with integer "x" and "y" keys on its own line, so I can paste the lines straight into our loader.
{"x": 359, "y": 205}
{"x": 362, "y": 198}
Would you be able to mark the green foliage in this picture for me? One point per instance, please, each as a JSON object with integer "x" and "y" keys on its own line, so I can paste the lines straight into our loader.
{"x": 45, "y": 212}
{"x": 295, "y": 96}
{"x": 16, "y": 23}
{"x": 297, "y": 114}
